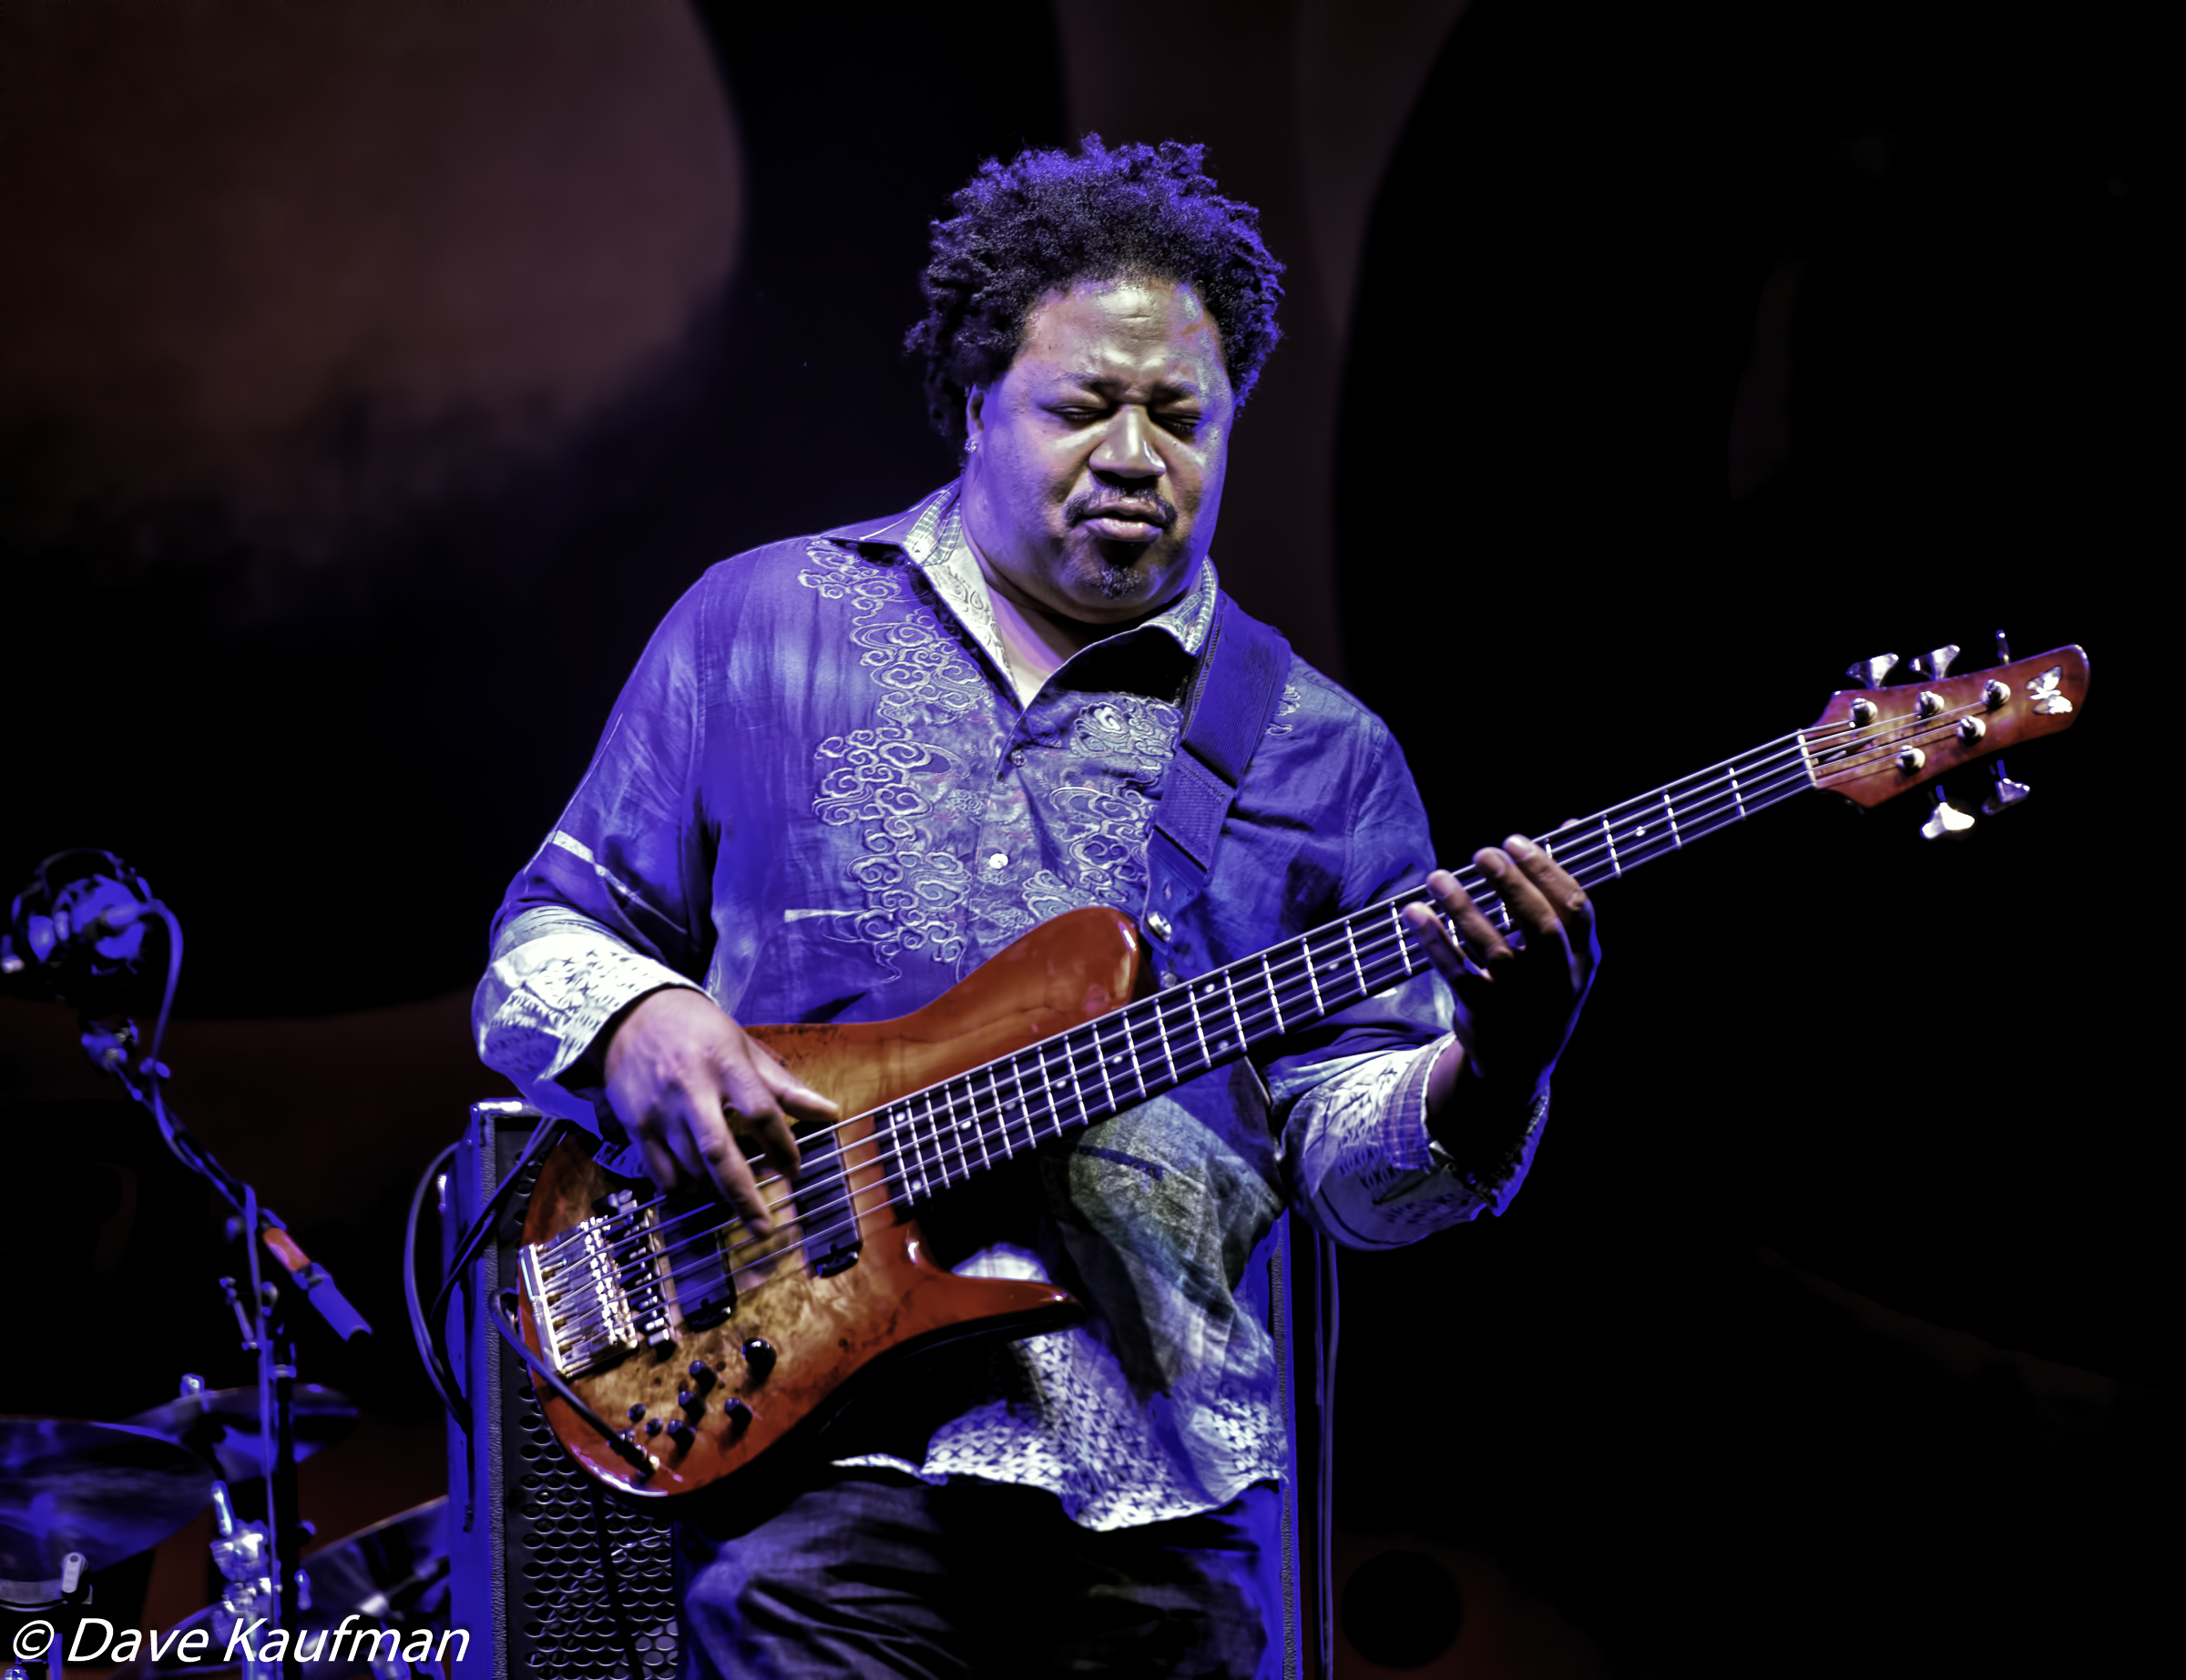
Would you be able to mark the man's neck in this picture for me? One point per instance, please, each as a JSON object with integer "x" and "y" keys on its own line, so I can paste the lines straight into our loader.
{"x": 1038, "y": 640}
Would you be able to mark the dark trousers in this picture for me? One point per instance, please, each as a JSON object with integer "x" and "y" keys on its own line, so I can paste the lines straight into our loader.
{"x": 872, "y": 1573}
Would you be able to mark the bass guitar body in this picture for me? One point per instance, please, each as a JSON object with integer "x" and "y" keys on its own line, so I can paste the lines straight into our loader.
{"x": 711, "y": 1346}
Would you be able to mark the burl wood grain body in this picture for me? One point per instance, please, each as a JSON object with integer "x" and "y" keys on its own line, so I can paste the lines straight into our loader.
{"x": 1877, "y": 777}
{"x": 828, "y": 1330}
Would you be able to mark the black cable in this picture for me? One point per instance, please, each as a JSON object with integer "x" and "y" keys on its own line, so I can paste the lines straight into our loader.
{"x": 439, "y": 1368}
{"x": 508, "y": 1322}
{"x": 544, "y": 1136}
{"x": 614, "y": 1581}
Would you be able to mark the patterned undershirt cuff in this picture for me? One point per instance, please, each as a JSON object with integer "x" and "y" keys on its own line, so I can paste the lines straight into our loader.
{"x": 1406, "y": 1142}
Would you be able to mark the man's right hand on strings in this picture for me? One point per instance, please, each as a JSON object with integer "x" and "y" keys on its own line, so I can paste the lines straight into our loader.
{"x": 693, "y": 1087}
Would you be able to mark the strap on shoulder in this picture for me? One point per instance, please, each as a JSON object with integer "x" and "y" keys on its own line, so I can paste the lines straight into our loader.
{"x": 1233, "y": 695}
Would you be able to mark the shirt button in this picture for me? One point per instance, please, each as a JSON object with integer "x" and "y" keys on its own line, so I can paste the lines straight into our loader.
{"x": 1016, "y": 755}
{"x": 999, "y": 861}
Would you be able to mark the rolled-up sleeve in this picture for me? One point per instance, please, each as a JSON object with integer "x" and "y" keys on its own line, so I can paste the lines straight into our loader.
{"x": 1364, "y": 1168}
{"x": 1351, "y": 1093}
{"x": 613, "y": 905}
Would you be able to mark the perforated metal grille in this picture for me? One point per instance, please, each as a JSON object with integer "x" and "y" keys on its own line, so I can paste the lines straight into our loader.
{"x": 572, "y": 1612}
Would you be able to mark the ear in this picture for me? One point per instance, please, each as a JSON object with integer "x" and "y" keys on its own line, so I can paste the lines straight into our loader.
{"x": 975, "y": 410}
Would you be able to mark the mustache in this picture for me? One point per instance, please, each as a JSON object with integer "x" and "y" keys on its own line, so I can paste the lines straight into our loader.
{"x": 1149, "y": 505}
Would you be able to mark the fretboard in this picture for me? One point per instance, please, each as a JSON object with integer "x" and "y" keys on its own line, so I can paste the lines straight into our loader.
{"x": 950, "y": 1131}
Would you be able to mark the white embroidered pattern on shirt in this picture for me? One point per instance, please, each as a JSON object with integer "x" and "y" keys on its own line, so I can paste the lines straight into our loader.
{"x": 885, "y": 778}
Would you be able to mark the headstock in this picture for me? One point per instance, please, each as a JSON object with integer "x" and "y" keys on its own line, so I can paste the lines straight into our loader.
{"x": 1872, "y": 745}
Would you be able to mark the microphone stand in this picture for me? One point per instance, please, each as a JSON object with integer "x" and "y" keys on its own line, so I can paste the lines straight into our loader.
{"x": 260, "y": 1315}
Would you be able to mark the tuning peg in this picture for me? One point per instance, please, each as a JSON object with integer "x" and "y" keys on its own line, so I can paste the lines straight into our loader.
{"x": 2008, "y": 794}
{"x": 1946, "y": 821}
{"x": 2002, "y": 650}
{"x": 1869, "y": 672}
{"x": 1935, "y": 662}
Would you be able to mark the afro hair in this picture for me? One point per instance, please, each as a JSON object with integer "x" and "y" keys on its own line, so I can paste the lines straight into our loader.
{"x": 1047, "y": 219}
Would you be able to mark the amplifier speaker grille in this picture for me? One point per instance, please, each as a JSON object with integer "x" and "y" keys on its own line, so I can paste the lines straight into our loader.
{"x": 573, "y": 1583}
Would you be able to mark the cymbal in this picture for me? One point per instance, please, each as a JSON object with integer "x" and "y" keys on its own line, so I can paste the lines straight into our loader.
{"x": 221, "y": 1424}
{"x": 396, "y": 1571}
{"x": 104, "y": 1490}
{"x": 392, "y": 1574}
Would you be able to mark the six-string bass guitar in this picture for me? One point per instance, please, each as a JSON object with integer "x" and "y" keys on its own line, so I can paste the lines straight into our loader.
{"x": 671, "y": 1346}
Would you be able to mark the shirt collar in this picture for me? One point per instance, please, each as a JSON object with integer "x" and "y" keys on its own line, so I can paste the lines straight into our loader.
{"x": 930, "y": 533}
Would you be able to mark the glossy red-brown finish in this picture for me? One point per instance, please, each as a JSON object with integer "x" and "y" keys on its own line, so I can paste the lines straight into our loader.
{"x": 827, "y": 1331}
{"x": 1871, "y": 774}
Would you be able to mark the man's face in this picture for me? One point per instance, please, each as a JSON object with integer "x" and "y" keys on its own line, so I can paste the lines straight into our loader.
{"x": 1095, "y": 470}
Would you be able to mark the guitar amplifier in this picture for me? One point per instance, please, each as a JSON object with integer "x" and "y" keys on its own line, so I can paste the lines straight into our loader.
{"x": 552, "y": 1575}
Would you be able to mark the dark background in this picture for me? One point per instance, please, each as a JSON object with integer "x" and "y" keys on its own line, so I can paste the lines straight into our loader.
{"x": 1686, "y": 360}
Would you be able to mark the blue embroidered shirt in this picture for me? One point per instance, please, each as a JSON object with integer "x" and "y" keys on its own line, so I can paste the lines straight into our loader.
{"x": 818, "y": 797}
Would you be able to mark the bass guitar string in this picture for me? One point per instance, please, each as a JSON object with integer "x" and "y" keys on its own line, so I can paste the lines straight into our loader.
{"x": 944, "y": 1156}
{"x": 1763, "y": 761}
{"x": 1030, "y": 1116}
{"x": 951, "y": 1154}
{"x": 948, "y": 1155}
{"x": 1586, "y": 852}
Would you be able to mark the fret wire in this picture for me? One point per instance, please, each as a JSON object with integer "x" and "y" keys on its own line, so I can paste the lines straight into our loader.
{"x": 965, "y": 1119}
{"x": 979, "y": 1136}
{"x": 1010, "y": 1147}
{"x": 1046, "y": 1085}
{"x": 918, "y": 1153}
{"x": 1351, "y": 944}
{"x": 1070, "y": 1074}
{"x": 908, "y": 1135}
{"x": 1230, "y": 986}
{"x": 1100, "y": 1061}
{"x": 1025, "y": 1101}
{"x": 1198, "y": 1026}
{"x": 896, "y": 1143}
{"x": 1267, "y": 975}
{"x": 958, "y": 1116}
{"x": 1168, "y": 1055}
{"x": 932, "y": 1137}
{"x": 1078, "y": 1087}
{"x": 1023, "y": 1111}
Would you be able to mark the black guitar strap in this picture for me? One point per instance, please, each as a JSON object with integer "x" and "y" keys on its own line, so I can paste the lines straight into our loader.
{"x": 1232, "y": 700}
{"x": 1233, "y": 695}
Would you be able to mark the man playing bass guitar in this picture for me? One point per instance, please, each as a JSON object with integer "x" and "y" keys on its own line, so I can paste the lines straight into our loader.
{"x": 849, "y": 769}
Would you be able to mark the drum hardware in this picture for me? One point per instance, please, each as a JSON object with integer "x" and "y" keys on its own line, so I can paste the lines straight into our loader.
{"x": 77, "y": 933}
